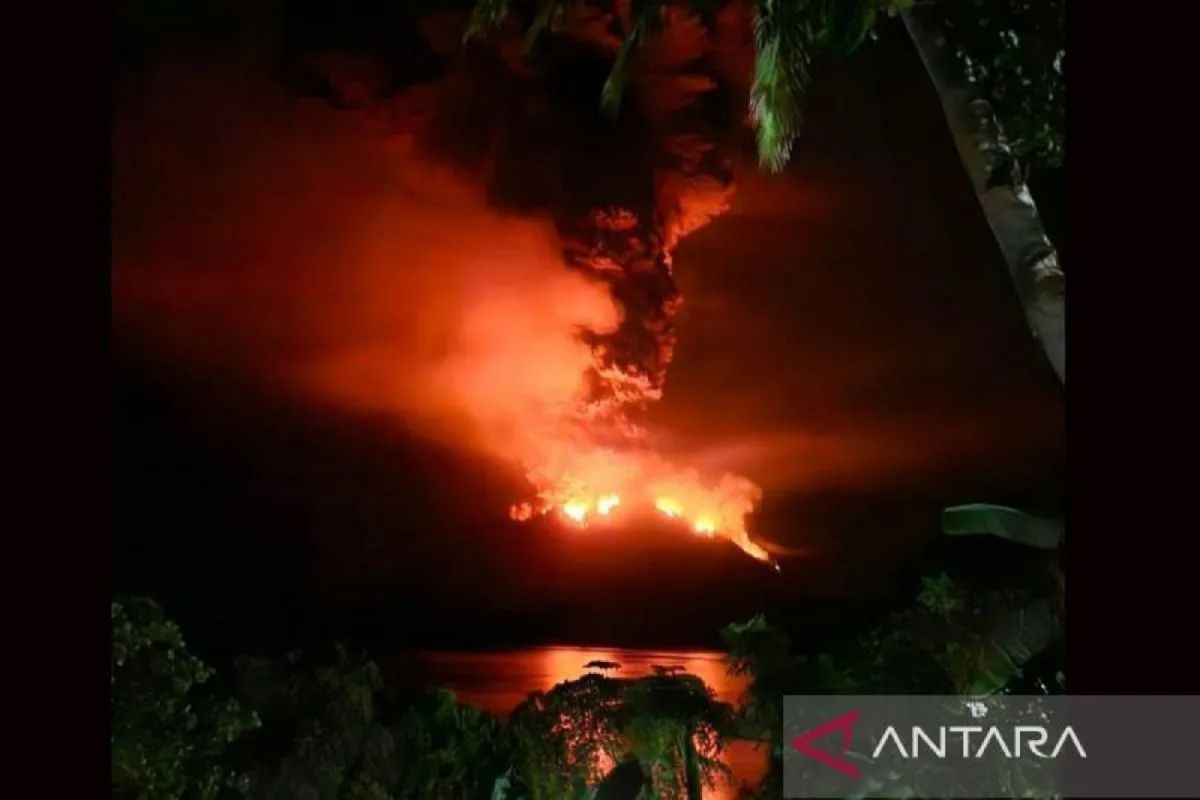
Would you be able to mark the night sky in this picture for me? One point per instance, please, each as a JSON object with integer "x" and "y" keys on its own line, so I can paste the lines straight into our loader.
{"x": 848, "y": 340}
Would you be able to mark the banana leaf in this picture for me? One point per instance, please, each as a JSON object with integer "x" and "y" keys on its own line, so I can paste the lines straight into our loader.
{"x": 1019, "y": 637}
{"x": 977, "y": 519}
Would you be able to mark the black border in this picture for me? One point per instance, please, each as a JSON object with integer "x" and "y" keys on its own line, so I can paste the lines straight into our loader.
{"x": 1131, "y": 565}
{"x": 1133, "y": 587}
{"x": 58, "y": 70}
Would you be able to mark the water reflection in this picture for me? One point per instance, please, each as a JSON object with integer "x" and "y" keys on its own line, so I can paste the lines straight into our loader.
{"x": 498, "y": 680}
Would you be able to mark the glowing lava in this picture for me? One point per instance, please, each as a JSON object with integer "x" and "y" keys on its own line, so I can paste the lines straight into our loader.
{"x": 588, "y": 483}
{"x": 668, "y": 506}
{"x": 577, "y": 511}
{"x": 607, "y": 503}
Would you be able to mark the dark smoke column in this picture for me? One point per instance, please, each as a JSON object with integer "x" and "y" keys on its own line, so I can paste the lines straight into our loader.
{"x": 656, "y": 173}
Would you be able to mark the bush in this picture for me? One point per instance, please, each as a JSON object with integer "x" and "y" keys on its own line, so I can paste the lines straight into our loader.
{"x": 168, "y": 732}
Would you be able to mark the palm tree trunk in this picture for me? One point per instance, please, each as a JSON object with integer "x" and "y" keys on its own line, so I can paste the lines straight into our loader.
{"x": 691, "y": 767}
{"x": 1032, "y": 261}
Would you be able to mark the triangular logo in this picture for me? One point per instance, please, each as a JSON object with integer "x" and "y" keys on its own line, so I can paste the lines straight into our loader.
{"x": 845, "y": 724}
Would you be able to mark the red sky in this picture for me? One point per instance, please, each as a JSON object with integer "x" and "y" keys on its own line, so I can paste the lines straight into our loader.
{"x": 848, "y": 331}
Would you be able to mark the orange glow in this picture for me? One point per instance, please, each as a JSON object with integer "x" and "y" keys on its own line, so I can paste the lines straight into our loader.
{"x": 520, "y": 511}
{"x": 642, "y": 480}
{"x": 498, "y": 680}
{"x": 607, "y": 503}
{"x": 576, "y": 511}
{"x": 668, "y": 506}
{"x": 396, "y": 287}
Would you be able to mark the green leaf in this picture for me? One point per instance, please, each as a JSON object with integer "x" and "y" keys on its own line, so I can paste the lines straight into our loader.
{"x": 939, "y": 594}
{"x": 541, "y": 21}
{"x": 647, "y": 19}
{"x": 894, "y": 7}
{"x": 1007, "y": 523}
{"x": 781, "y": 79}
{"x": 1016, "y": 640}
{"x": 844, "y": 24}
{"x": 486, "y": 15}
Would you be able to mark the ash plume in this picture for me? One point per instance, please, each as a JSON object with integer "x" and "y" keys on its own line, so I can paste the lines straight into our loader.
{"x": 458, "y": 238}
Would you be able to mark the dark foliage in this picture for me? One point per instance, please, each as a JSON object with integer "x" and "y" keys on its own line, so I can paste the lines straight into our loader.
{"x": 329, "y": 730}
{"x": 169, "y": 731}
{"x": 1015, "y": 51}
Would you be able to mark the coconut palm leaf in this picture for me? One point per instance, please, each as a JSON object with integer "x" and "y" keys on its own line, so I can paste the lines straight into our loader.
{"x": 844, "y": 24}
{"x": 541, "y": 21}
{"x": 486, "y": 15}
{"x": 781, "y": 78}
{"x": 646, "y": 17}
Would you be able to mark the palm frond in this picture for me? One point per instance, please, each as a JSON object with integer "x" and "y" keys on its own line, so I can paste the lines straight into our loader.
{"x": 781, "y": 78}
{"x": 486, "y": 15}
{"x": 541, "y": 21}
{"x": 844, "y": 24}
{"x": 646, "y": 20}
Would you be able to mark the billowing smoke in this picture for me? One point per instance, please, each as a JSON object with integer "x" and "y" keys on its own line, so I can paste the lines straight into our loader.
{"x": 479, "y": 253}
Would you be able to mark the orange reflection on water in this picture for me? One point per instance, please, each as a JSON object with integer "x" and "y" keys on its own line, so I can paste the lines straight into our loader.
{"x": 558, "y": 664}
{"x": 498, "y": 680}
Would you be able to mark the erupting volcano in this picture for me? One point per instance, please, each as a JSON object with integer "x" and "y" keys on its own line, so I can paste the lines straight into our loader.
{"x": 598, "y": 487}
{"x": 593, "y": 462}
{"x": 588, "y": 460}
{"x": 477, "y": 249}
